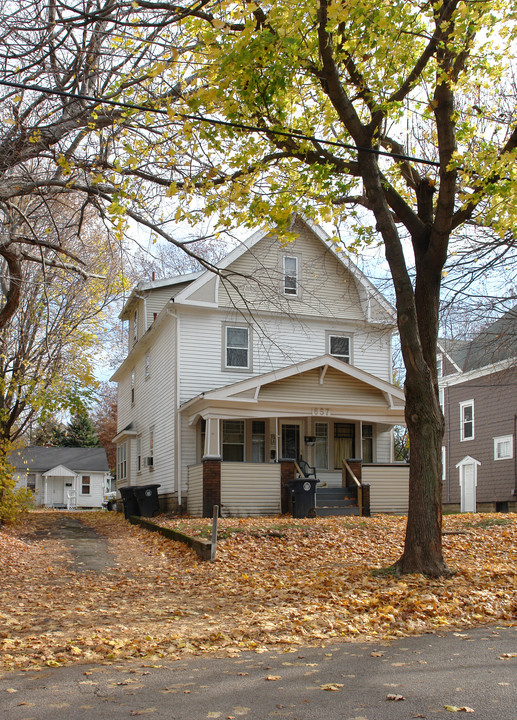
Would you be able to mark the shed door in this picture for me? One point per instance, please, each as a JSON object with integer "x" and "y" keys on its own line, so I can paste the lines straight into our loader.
{"x": 468, "y": 487}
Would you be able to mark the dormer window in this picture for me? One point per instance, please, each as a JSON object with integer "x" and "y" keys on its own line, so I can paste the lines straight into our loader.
{"x": 290, "y": 273}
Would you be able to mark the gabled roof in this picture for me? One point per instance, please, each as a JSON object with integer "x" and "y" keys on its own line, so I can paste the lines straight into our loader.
{"x": 367, "y": 291}
{"x": 494, "y": 344}
{"x": 43, "y": 459}
{"x": 248, "y": 390}
{"x": 175, "y": 283}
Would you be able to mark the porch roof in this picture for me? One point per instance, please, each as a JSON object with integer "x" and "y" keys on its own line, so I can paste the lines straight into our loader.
{"x": 323, "y": 385}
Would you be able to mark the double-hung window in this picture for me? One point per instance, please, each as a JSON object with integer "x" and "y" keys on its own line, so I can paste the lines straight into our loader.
{"x": 122, "y": 462}
{"x": 85, "y": 485}
{"x": 467, "y": 420}
{"x": 290, "y": 275}
{"x": 237, "y": 347}
{"x": 339, "y": 347}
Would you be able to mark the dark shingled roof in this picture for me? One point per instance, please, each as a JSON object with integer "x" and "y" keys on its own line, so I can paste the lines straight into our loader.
{"x": 495, "y": 343}
{"x": 41, "y": 459}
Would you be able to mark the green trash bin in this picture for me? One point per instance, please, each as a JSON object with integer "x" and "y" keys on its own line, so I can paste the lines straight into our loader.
{"x": 147, "y": 498}
{"x": 130, "y": 501}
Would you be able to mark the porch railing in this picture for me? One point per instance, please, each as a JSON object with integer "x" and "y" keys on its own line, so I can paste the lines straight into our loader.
{"x": 347, "y": 471}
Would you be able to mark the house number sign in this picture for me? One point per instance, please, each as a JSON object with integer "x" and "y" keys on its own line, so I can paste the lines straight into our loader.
{"x": 320, "y": 411}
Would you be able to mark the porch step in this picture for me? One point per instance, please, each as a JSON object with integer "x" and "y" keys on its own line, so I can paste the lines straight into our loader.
{"x": 334, "y": 511}
{"x": 336, "y": 501}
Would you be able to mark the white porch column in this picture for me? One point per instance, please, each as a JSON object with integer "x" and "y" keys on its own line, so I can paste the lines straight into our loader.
{"x": 212, "y": 447}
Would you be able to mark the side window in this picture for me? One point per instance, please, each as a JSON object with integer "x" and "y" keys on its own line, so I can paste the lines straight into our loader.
{"x": 31, "y": 482}
{"x": 134, "y": 332}
{"x": 147, "y": 372}
{"x": 467, "y": 420}
{"x": 85, "y": 485}
{"x": 503, "y": 447}
{"x": 132, "y": 387}
{"x": 122, "y": 462}
{"x": 439, "y": 365}
{"x": 139, "y": 453}
{"x": 339, "y": 347}
{"x": 150, "y": 459}
{"x": 290, "y": 275}
{"x": 367, "y": 443}
{"x": 236, "y": 347}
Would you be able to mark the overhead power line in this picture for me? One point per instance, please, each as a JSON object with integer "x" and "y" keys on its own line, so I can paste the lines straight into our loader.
{"x": 214, "y": 121}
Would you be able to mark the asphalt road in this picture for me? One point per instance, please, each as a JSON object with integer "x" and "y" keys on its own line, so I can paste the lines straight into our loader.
{"x": 474, "y": 669}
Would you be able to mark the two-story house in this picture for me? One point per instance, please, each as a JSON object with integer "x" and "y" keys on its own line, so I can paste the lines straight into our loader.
{"x": 284, "y": 352}
{"x": 478, "y": 394}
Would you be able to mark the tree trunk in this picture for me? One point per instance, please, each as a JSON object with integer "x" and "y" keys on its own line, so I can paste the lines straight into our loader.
{"x": 423, "y": 544}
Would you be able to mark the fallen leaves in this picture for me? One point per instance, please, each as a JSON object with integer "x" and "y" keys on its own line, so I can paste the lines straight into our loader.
{"x": 394, "y": 698}
{"x": 332, "y": 687}
{"x": 454, "y": 708}
{"x": 276, "y": 583}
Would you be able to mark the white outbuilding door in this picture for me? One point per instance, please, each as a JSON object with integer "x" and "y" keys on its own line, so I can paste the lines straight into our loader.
{"x": 468, "y": 482}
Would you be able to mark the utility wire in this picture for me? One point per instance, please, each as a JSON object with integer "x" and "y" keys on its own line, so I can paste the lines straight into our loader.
{"x": 213, "y": 121}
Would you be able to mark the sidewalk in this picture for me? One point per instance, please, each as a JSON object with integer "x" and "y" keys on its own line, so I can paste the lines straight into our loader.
{"x": 475, "y": 669}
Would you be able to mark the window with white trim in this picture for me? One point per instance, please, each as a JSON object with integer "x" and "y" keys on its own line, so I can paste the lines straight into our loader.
{"x": 503, "y": 447}
{"x": 150, "y": 459}
{"x": 135, "y": 326}
{"x": 237, "y": 347}
{"x": 85, "y": 485}
{"x": 339, "y": 347}
{"x": 139, "y": 453}
{"x": 290, "y": 274}
{"x": 444, "y": 458}
{"x": 122, "y": 461}
{"x": 467, "y": 420}
{"x": 132, "y": 387}
{"x": 147, "y": 371}
{"x": 439, "y": 365}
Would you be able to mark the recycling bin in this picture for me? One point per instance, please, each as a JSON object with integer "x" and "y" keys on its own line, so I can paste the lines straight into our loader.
{"x": 130, "y": 501}
{"x": 147, "y": 498}
{"x": 303, "y": 497}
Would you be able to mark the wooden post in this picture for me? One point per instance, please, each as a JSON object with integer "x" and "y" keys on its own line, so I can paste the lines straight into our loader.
{"x": 213, "y": 549}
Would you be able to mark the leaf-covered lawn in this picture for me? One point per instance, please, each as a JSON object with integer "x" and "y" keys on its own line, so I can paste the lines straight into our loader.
{"x": 276, "y": 582}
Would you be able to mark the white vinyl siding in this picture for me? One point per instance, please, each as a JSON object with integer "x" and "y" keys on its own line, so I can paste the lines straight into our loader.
{"x": 250, "y": 489}
{"x": 195, "y": 490}
{"x": 389, "y": 487}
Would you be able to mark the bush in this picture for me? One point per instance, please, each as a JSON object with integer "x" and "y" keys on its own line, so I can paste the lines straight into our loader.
{"x": 13, "y": 501}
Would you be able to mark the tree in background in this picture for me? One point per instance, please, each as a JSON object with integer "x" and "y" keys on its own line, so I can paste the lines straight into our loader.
{"x": 80, "y": 431}
{"x": 105, "y": 421}
{"x": 47, "y": 347}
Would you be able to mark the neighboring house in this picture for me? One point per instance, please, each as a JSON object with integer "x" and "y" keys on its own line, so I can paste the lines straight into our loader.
{"x": 63, "y": 477}
{"x": 284, "y": 352}
{"x": 478, "y": 394}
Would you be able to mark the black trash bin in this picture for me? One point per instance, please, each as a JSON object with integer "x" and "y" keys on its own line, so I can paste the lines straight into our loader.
{"x": 130, "y": 501}
{"x": 147, "y": 498}
{"x": 303, "y": 497}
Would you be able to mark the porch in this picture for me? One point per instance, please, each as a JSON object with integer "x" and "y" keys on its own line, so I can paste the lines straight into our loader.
{"x": 259, "y": 489}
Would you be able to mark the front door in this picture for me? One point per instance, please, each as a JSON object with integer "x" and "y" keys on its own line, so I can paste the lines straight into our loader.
{"x": 57, "y": 491}
{"x": 290, "y": 441}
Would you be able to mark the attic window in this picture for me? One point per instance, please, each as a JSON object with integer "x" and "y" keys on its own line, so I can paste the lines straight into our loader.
{"x": 290, "y": 275}
{"x": 339, "y": 347}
